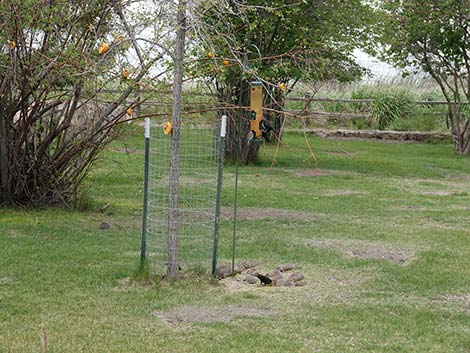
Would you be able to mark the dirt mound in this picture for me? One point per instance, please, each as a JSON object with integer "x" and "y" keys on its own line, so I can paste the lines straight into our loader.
{"x": 197, "y": 314}
{"x": 366, "y": 250}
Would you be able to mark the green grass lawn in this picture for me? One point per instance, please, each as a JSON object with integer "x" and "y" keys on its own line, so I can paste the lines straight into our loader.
{"x": 63, "y": 276}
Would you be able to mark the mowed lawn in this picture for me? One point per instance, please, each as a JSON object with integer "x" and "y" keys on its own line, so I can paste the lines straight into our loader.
{"x": 64, "y": 278}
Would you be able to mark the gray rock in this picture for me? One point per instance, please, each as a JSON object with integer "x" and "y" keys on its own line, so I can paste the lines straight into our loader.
{"x": 223, "y": 271}
{"x": 251, "y": 279}
{"x": 252, "y": 271}
{"x": 296, "y": 276}
{"x": 274, "y": 274}
{"x": 289, "y": 284}
{"x": 280, "y": 282}
{"x": 286, "y": 267}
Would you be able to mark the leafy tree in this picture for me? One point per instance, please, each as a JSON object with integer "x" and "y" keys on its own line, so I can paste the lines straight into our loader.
{"x": 55, "y": 58}
{"x": 434, "y": 36}
{"x": 278, "y": 41}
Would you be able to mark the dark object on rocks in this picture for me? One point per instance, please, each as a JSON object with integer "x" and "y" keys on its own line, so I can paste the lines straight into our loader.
{"x": 286, "y": 267}
{"x": 266, "y": 281}
{"x": 296, "y": 276}
{"x": 105, "y": 226}
{"x": 252, "y": 279}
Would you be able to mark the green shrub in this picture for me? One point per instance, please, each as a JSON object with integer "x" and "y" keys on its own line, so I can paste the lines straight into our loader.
{"x": 360, "y": 124}
{"x": 363, "y": 92}
{"x": 389, "y": 106}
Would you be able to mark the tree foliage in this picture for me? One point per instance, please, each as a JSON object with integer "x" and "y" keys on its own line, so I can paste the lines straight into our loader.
{"x": 277, "y": 41}
{"x": 433, "y": 36}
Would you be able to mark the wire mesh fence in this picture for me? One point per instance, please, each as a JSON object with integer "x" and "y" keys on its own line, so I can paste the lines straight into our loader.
{"x": 196, "y": 198}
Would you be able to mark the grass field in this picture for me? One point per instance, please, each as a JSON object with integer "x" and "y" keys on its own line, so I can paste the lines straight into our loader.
{"x": 64, "y": 278}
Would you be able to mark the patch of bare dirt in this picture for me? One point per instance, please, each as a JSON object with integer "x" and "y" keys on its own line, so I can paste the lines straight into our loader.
{"x": 340, "y": 153}
{"x": 343, "y": 192}
{"x": 434, "y": 187}
{"x": 436, "y": 224}
{"x": 266, "y": 213}
{"x": 185, "y": 180}
{"x": 236, "y": 285}
{"x": 6, "y": 280}
{"x": 320, "y": 172}
{"x": 459, "y": 301}
{"x": 343, "y": 282}
{"x": 463, "y": 177}
{"x": 395, "y": 256}
{"x": 458, "y": 297}
{"x": 126, "y": 284}
{"x": 409, "y": 208}
{"x": 366, "y": 250}
{"x": 197, "y": 314}
{"x": 437, "y": 193}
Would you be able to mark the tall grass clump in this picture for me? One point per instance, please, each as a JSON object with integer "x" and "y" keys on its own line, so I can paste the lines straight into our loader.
{"x": 389, "y": 105}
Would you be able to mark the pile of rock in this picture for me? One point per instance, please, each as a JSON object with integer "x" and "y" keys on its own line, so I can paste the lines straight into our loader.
{"x": 282, "y": 276}
{"x": 384, "y": 135}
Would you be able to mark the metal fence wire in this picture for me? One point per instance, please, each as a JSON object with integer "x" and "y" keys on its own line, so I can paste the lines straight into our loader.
{"x": 196, "y": 200}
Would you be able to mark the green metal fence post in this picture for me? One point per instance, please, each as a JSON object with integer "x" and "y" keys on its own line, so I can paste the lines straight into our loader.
{"x": 237, "y": 164}
{"x": 143, "y": 245}
{"x": 220, "y": 165}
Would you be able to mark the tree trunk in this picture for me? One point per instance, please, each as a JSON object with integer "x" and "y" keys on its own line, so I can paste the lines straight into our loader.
{"x": 172, "y": 266}
{"x": 4, "y": 156}
{"x": 460, "y": 132}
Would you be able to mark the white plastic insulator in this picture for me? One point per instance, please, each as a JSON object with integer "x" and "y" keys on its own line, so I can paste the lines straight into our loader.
{"x": 147, "y": 128}
{"x": 223, "y": 126}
